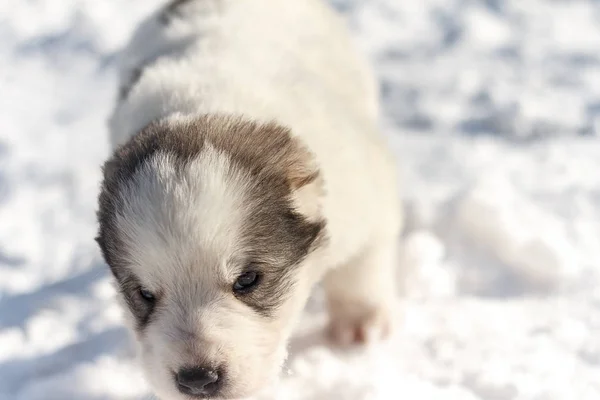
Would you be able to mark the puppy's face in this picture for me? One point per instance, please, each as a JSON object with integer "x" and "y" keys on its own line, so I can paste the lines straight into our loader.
{"x": 208, "y": 226}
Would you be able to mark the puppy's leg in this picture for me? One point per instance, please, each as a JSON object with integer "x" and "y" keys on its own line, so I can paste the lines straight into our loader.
{"x": 361, "y": 295}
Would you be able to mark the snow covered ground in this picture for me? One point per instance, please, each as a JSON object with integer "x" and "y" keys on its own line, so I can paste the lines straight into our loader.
{"x": 492, "y": 107}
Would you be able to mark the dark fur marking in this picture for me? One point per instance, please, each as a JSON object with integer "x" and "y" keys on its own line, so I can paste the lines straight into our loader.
{"x": 276, "y": 236}
{"x": 133, "y": 79}
{"x": 140, "y": 308}
{"x": 172, "y": 10}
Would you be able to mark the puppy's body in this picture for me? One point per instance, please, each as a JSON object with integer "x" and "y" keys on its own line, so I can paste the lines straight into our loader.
{"x": 289, "y": 61}
{"x": 248, "y": 132}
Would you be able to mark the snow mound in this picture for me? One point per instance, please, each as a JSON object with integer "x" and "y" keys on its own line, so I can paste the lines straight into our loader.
{"x": 532, "y": 243}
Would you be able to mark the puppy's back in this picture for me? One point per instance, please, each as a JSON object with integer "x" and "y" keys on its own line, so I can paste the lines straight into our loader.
{"x": 271, "y": 58}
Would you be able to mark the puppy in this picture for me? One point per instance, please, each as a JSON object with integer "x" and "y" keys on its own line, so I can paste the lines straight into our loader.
{"x": 247, "y": 167}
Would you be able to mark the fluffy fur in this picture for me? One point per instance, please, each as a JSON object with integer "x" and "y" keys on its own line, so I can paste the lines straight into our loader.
{"x": 245, "y": 139}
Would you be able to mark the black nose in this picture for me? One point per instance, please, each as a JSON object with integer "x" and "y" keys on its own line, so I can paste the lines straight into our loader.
{"x": 197, "y": 381}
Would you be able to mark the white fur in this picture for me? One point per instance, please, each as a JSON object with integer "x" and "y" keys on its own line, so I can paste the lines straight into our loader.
{"x": 288, "y": 60}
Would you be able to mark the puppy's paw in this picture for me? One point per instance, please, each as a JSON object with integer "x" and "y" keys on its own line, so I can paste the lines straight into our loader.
{"x": 358, "y": 325}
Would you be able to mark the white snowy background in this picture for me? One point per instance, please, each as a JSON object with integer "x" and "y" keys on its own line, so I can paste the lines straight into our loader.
{"x": 492, "y": 107}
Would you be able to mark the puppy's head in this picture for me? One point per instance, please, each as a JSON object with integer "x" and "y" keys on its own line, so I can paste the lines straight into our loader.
{"x": 208, "y": 225}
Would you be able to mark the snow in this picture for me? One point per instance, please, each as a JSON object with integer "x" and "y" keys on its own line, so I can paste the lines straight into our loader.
{"x": 492, "y": 108}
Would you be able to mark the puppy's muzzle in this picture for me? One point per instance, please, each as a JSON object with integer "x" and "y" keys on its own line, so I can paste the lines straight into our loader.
{"x": 198, "y": 382}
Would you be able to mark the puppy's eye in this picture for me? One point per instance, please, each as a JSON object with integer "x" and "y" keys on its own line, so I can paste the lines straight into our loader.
{"x": 147, "y": 295}
{"x": 246, "y": 282}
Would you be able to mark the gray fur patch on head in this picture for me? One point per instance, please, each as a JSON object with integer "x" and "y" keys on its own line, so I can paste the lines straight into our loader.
{"x": 275, "y": 236}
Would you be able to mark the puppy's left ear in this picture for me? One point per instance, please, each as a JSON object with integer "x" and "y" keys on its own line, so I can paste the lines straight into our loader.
{"x": 306, "y": 183}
